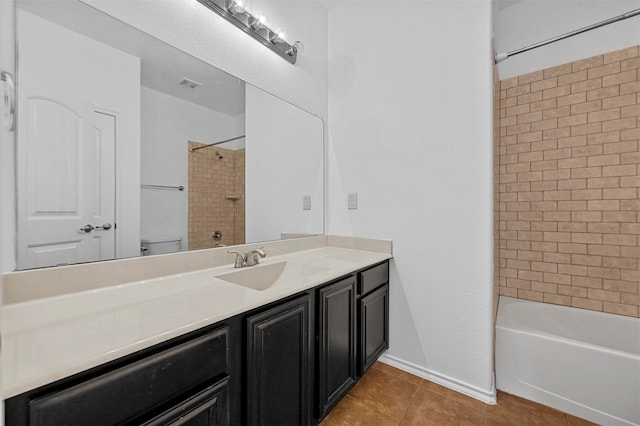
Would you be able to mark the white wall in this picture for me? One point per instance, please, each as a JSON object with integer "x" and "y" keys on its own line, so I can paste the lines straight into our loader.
{"x": 167, "y": 123}
{"x": 532, "y": 21}
{"x": 191, "y": 27}
{"x": 410, "y": 113}
{"x": 283, "y": 163}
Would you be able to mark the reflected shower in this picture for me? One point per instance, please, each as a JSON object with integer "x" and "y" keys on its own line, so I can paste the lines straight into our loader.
{"x": 217, "y": 143}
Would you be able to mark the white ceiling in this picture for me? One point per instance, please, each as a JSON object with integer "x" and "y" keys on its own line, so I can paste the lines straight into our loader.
{"x": 503, "y": 4}
{"x": 162, "y": 66}
{"x": 330, "y": 4}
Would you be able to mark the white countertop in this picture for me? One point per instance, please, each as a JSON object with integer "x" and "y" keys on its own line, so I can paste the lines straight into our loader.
{"x": 50, "y": 338}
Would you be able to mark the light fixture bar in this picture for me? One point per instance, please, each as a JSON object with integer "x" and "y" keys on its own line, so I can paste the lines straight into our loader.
{"x": 234, "y": 12}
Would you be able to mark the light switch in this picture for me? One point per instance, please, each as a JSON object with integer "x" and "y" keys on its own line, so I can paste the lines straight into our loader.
{"x": 306, "y": 202}
{"x": 352, "y": 201}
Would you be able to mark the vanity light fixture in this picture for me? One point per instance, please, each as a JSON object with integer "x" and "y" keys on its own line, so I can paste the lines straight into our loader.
{"x": 235, "y": 12}
{"x": 296, "y": 48}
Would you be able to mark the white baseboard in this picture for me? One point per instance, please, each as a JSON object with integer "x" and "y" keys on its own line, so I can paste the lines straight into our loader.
{"x": 448, "y": 382}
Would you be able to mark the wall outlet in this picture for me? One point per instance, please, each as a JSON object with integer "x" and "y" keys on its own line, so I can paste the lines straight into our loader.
{"x": 306, "y": 202}
{"x": 352, "y": 201}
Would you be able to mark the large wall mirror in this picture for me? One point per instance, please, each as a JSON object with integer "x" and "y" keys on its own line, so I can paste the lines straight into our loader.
{"x": 127, "y": 146}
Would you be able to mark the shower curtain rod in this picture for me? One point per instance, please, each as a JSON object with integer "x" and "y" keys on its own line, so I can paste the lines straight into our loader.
{"x": 217, "y": 143}
{"x": 499, "y": 57}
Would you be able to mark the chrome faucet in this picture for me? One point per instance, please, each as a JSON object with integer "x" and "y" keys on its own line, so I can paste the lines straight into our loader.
{"x": 250, "y": 258}
{"x": 241, "y": 260}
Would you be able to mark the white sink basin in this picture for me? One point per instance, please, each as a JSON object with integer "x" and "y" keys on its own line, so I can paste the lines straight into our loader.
{"x": 263, "y": 277}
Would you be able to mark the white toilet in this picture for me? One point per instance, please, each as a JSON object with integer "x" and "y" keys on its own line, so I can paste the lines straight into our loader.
{"x": 151, "y": 246}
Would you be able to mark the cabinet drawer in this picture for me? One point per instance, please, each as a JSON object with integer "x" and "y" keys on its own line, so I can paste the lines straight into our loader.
{"x": 209, "y": 407}
{"x": 123, "y": 394}
{"x": 373, "y": 278}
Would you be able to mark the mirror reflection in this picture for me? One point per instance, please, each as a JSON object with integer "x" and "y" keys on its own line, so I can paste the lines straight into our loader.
{"x": 128, "y": 146}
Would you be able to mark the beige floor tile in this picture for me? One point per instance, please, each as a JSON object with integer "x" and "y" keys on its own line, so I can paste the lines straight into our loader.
{"x": 519, "y": 411}
{"x": 396, "y": 372}
{"x": 548, "y": 418}
{"x": 388, "y": 396}
{"x": 577, "y": 421}
{"x": 497, "y": 420}
{"x": 450, "y": 393}
{"x": 385, "y": 393}
{"x": 431, "y": 408}
{"x": 351, "y": 412}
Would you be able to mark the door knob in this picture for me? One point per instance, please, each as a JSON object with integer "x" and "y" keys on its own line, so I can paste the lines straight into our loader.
{"x": 87, "y": 228}
{"x": 104, "y": 227}
{"x": 9, "y": 101}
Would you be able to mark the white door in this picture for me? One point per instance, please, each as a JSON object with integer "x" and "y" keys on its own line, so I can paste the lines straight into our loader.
{"x": 66, "y": 178}
{"x": 7, "y": 154}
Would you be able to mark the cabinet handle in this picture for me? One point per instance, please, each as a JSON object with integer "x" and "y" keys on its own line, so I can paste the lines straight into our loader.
{"x": 9, "y": 101}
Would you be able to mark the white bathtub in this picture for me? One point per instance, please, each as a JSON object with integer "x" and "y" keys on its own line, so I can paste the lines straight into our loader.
{"x": 581, "y": 362}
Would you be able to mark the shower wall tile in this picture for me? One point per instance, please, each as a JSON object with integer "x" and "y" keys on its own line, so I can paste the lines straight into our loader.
{"x": 216, "y": 196}
{"x": 567, "y": 178}
{"x": 239, "y": 183}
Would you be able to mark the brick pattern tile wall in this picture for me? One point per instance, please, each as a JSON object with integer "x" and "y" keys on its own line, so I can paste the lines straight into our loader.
{"x": 216, "y": 196}
{"x": 569, "y": 177}
{"x": 239, "y": 175}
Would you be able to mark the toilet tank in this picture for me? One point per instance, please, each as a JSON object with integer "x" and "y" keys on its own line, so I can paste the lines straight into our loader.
{"x": 151, "y": 246}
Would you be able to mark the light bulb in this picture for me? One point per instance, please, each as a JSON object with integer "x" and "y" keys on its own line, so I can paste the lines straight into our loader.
{"x": 258, "y": 23}
{"x": 277, "y": 37}
{"x": 235, "y": 7}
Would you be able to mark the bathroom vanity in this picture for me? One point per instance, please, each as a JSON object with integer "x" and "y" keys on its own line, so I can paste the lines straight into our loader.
{"x": 178, "y": 338}
{"x": 277, "y": 343}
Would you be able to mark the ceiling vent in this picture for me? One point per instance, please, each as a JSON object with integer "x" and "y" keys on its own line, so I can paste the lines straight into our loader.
{"x": 189, "y": 83}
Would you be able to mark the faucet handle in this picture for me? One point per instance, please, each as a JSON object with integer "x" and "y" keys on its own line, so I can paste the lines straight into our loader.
{"x": 241, "y": 259}
{"x": 251, "y": 258}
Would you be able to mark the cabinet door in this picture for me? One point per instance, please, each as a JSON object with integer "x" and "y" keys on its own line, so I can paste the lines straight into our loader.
{"x": 279, "y": 364}
{"x": 373, "y": 327}
{"x": 336, "y": 340}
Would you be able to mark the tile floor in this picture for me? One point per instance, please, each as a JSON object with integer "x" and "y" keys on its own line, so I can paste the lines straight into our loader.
{"x": 388, "y": 396}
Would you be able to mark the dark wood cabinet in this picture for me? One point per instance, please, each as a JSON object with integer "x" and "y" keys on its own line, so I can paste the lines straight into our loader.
{"x": 279, "y": 364}
{"x": 373, "y": 327}
{"x": 373, "y": 315}
{"x": 336, "y": 360}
